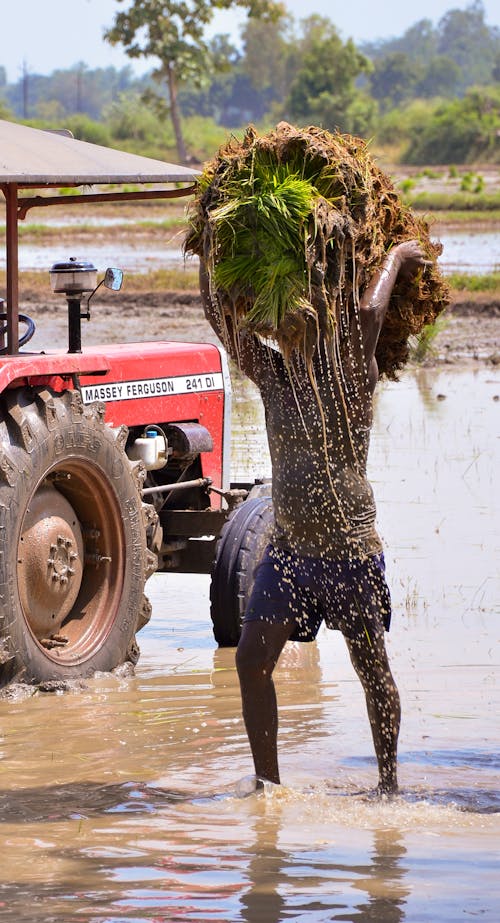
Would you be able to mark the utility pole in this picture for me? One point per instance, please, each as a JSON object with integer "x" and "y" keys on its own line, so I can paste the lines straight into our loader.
{"x": 79, "y": 88}
{"x": 25, "y": 90}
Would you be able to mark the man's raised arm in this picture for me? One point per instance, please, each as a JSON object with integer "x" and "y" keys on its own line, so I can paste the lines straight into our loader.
{"x": 404, "y": 260}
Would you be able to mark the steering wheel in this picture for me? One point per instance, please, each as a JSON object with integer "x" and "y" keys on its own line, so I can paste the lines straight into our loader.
{"x": 28, "y": 333}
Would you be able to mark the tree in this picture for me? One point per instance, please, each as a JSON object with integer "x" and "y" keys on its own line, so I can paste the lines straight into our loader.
{"x": 461, "y": 36}
{"x": 230, "y": 98}
{"x": 265, "y": 54}
{"x": 464, "y": 36}
{"x": 460, "y": 131}
{"x": 323, "y": 89}
{"x": 441, "y": 78}
{"x": 419, "y": 42}
{"x": 5, "y": 112}
{"x": 174, "y": 33}
{"x": 393, "y": 79}
{"x": 66, "y": 92}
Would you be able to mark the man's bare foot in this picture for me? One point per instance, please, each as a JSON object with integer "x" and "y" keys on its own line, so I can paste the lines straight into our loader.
{"x": 249, "y": 785}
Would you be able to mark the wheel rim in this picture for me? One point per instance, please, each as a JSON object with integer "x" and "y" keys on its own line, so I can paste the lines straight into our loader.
{"x": 71, "y": 561}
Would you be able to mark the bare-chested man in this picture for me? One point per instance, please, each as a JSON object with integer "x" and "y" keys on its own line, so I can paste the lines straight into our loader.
{"x": 325, "y": 562}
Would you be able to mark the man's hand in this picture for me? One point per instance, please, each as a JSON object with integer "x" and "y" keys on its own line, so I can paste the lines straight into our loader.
{"x": 409, "y": 258}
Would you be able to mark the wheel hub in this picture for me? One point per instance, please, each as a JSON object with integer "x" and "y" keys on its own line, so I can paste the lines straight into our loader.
{"x": 61, "y": 558}
{"x": 50, "y": 562}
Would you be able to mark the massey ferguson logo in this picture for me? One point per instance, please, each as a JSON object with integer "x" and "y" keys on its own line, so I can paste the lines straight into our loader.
{"x": 152, "y": 387}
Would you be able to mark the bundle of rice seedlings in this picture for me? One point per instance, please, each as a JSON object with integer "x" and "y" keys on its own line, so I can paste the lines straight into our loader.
{"x": 291, "y": 227}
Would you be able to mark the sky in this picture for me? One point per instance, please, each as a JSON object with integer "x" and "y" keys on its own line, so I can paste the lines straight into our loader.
{"x": 43, "y": 35}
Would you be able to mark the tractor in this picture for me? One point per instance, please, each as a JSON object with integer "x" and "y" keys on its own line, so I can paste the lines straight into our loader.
{"x": 114, "y": 459}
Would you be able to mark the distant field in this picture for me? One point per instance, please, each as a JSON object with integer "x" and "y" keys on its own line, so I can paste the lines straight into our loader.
{"x": 439, "y": 193}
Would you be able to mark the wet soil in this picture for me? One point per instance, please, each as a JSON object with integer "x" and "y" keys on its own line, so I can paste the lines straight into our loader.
{"x": 469, "y": 333}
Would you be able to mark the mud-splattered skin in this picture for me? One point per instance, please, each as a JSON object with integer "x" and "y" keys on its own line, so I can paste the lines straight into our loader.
{"x": 318, "y": 418}
{"x": 322, "y": 500}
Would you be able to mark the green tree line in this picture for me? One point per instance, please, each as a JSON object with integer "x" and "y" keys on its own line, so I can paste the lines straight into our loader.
{"x": 432, "y": 94}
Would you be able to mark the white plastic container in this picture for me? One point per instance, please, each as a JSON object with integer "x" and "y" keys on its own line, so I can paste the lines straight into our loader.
{"x": 151, "y": 449}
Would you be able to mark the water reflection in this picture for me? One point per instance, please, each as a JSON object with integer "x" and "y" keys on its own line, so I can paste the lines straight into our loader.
{"x": 311, "y": 884}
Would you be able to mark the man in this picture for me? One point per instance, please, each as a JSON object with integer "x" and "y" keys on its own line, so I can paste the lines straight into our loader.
{"x": 325, "y": 562}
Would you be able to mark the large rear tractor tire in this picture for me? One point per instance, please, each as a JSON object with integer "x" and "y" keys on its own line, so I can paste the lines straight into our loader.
{"x": 73, "y": 545}
{"x": 241, "y": 545}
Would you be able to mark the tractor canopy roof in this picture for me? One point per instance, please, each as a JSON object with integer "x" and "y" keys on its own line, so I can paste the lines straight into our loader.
{"x": 33, "y": 162}
{"x": 33, "y": 157}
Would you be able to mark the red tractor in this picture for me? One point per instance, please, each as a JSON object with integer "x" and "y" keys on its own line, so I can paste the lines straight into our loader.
{"x": 114, "y": 460}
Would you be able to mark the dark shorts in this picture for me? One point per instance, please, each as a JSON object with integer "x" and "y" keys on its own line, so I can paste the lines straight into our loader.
{"x": 350, "y": 595}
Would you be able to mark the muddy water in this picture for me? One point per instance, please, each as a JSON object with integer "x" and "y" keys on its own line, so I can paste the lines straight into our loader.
{"x": 118, "y": 802}
{"x": 128, "y": 256}
{"x": 470, "y": 251}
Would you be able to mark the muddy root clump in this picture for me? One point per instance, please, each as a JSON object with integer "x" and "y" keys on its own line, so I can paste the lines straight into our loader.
{"x": 292, "y": 225}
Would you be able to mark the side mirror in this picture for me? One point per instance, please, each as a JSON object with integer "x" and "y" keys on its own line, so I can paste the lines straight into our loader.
{"x": 113, "y": 279}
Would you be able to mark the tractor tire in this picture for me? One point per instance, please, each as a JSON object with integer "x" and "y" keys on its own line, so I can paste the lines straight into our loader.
{"x": 73, "y": 546}
{"x": 240, "y": 547}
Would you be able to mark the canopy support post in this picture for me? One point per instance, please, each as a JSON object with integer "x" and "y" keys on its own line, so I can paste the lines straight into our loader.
{"x": 12, "y": 286}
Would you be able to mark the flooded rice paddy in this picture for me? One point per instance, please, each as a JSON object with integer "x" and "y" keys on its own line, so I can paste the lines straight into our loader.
{"x": 470, "y": 251}
{"x": 120, "y": 802}
{"x": 464, "y": 250}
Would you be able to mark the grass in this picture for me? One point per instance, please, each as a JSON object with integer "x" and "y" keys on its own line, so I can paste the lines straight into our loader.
{"x": 158, "y": 280}
{"x": 48, "y": 232}
{"x": 163, "y": 280}
{"x": 455, "y": 201}
{"x": 472, "y": 217}
{"x": 185, "y": 278}
{"x": 462, "y": 282}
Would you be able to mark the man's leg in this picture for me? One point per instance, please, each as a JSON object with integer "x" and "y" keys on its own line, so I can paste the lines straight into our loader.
{"x": 369, "y": 658}
{"x": 258, "y": 651}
